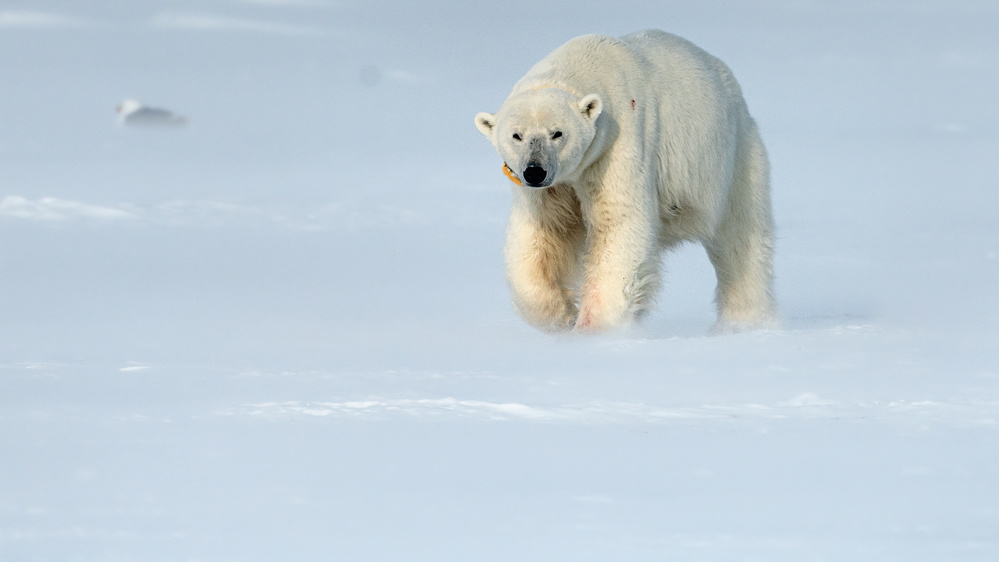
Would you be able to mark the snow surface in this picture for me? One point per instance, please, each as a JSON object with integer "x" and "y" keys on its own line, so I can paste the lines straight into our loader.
{"x": 283, "y": 333}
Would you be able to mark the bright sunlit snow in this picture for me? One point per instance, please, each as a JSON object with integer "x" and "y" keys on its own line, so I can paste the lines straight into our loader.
{"x": 282, "y": 332}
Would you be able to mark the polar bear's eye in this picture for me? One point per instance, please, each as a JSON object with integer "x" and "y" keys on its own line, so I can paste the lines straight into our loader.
{"x": 556, "y": 135}
{"x": 516, "y": 136}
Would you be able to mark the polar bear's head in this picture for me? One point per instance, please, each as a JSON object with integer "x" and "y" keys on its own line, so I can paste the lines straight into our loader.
{"x": 542, "y": 134}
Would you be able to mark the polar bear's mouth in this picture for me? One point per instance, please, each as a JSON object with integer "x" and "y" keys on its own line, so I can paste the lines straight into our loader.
{"x": 508, "y": 172}
{"x": 533, "y": 175}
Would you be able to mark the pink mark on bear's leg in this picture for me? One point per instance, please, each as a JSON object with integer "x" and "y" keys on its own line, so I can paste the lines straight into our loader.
{"x": 590, "y": 301}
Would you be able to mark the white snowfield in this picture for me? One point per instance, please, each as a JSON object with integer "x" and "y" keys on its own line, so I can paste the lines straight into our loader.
{"x": 282, "y": 332}
{"x": 805, "y": 406}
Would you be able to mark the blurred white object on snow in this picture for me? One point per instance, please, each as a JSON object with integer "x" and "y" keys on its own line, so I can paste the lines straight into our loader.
{"x": 132, "y": 113}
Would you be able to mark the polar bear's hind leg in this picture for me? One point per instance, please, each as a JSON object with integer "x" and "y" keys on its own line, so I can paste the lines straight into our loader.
{"x": 741, "y": 249}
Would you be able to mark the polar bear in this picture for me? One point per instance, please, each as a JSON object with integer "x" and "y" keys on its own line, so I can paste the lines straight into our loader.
{"x": 623, "y": 148}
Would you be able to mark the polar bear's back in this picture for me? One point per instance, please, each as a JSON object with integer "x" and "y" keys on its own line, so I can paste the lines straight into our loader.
{"x": 651, "y": 61}
{"x": 675, "y": 59}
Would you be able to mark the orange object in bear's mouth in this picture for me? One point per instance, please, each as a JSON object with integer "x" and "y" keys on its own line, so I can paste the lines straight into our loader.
{"x": 509, "y": 173}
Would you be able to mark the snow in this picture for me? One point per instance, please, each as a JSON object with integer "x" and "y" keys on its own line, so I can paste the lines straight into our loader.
{"x": 282, "y": 332}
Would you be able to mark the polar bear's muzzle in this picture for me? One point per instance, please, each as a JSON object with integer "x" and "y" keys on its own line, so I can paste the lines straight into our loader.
{"x": 542, "y": 163}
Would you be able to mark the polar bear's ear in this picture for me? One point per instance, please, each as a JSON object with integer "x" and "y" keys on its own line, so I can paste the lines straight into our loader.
{"x": 486, "y": 123}
{"x": 591, "y": 106}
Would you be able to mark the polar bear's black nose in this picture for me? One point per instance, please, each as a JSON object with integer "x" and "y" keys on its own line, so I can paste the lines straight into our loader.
{"x": 534, "y": 175}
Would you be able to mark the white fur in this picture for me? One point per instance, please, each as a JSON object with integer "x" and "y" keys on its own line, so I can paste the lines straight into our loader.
{"x": 655, "y": 147}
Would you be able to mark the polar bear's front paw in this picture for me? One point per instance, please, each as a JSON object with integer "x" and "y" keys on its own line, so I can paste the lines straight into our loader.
{"x": 591, "y": 320}
{"x": 596, "y": 313}
{"x": 587, "y": 322}
{"x": 549, "y": 317}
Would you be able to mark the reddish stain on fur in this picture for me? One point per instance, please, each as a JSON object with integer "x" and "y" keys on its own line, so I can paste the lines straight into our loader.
{"x": 586, "y": 313}
{"x": 633, "y": 104}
